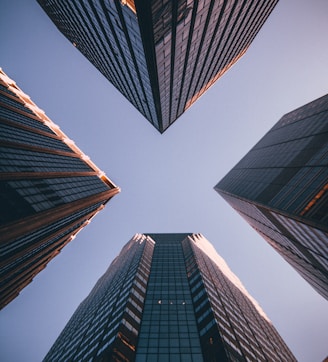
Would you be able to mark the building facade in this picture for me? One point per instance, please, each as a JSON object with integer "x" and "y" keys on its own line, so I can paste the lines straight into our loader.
{"x": 280, "y": 188}
{"x": 161, "y": 55}
{"x": 170, "y": 298}
{"x": 49, "y": 189}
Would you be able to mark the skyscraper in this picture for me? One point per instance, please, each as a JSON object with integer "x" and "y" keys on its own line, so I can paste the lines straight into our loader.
{"x": 280, "y": 188}
{"x": 49, "y": 190}
{"x": 161, "y": 55}
{"x": 169, "y": 297}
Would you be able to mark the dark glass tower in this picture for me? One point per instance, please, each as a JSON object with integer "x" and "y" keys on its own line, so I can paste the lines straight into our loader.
{"x": 162, "y": 55}
{"x": 169, "y": 298}
{"x": 280, "y": 188}
{"x": 49, "y": 190}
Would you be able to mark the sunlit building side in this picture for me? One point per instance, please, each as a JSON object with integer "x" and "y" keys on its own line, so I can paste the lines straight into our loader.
{"x": 280, "y": 188}
{"x": 169, "y": 297}
{"x": 161, "y": 55}
{"x": 49, "y": 189}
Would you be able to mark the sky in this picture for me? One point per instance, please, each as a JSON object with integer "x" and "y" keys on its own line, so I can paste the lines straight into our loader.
{"x": 167, "y": 180}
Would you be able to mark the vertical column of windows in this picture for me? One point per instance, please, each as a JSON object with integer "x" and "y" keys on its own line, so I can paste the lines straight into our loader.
{"x": 168, "y": 327}
{"x": 201, "y": 35}
{"x": 214, "y": 55}
{"x": 127, "y": 322}
{"x": 113, "y": 68}
{"x": 138, "y": 64}
{"x": 242, "y": 326}
{"x": 219, "y": 62}
{"x": 248, "y": 22}
{"x": 95, "y": 326}
{"x": 212, "y": 341}
{"x": 126, "y": 56}
{"x": 162, "y": 27}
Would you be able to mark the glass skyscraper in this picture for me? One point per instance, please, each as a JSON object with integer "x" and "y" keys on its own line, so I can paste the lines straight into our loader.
{"x": 169, "y": 298}
{"x": 280, "y": 188}
{"x": 49, "y": 189}
{"x": 162, "y": 55}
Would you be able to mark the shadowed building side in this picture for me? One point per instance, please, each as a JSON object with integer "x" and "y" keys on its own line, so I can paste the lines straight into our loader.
{"x": 49, "y": 189}
{"x": 169, "y": 297}
{"x": 161, "y": 55}
{"x": 280, "y": 188}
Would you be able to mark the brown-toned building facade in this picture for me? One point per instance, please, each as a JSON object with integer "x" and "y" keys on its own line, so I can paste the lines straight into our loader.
{"x": 49, "y": 189}
{"x": 169, "y": 298}
{"x": 162, "y": 55}
{"x": 281, "y": 189}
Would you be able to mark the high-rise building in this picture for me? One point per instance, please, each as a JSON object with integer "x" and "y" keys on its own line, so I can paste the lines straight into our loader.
{"x": 170, "y": 298}
{"x": 280, "y": 188}
{"x": 49, "y": 190}
{"x": 162, "y": 55}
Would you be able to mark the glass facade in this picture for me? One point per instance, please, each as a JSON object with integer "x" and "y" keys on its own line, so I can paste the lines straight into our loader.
{"x": 169, "y": 298}
{"x": 280, "y": 188}
{"x": 106, "y": 325}
{"x": 168, "y": 330}
{"x": 161, "y": 55}
{"x": 49, "y": 189}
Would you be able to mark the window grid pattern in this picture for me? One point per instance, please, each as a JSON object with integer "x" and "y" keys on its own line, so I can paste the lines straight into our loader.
{"x": 44, "y": 232}
{"x": 279, "y": 232}
{"x": 286, "y": 161}
{"x": 13, "y": 134}
{"x": 103, "y": 29}
{"x": 162, "y": 300}
{"x": 197, "y": 42}
{"x": 43, "y": 194}
{"x": 286, "y": 174}
{"x": 314, "y": 239}
{"x": 20, "y": 160}
{"x": 27, "y": 255}
{"x": 161, "y": 55}
{"x": 16, "y": 104}
{"x": 242, "y": 327}
{"x": 168, "y": 330}
{"x": 108, "y": 35}
{"x": 97, "y": 327}
{"x": 33, "y": 258}
{"x": 238, "y": 25}
{"x": 315, "y": 242}
{"x": 49, "y": 189}
{"x": 19, "y": 118}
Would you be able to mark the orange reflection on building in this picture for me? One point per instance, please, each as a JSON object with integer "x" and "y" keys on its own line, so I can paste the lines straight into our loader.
{"x": 317, "y": 197}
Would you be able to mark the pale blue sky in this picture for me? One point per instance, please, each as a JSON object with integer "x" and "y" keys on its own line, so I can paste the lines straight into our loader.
{"x": 167, "y": 180}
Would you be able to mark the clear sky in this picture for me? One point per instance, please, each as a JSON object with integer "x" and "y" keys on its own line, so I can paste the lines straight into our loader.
{"x": 167, "y": 180}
